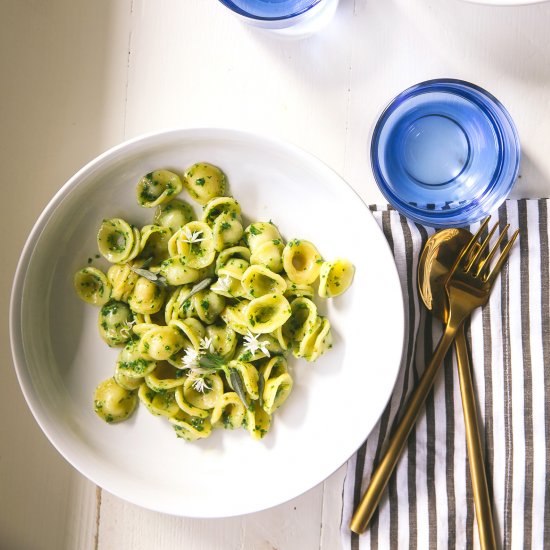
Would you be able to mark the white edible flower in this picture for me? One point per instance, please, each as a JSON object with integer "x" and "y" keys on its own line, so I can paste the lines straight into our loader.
{"x": 127, "y": 328}
{"x": 224, "y": 283}
{"x": 190, "y": 359}
{"x": 252, "y": 344}
{"x": 205, "y": 344}
{"x": 192, "y": 236}
{"x": 200, "y": 384}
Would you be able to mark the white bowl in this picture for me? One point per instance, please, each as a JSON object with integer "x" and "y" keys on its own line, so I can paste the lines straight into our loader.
{"x": 60, "y": 358}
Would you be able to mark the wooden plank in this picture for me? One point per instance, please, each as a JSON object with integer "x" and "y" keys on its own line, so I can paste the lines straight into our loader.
{"x": 291, "y": 526}
{"x": 124, "y": 525}
{"x": 332, "y": 510}
{"x": 295, "y": 525}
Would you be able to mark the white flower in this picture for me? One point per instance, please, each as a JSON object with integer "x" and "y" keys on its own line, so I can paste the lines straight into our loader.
{"x": 205, "y": 344}
{"x": 199, "y": 383}
{"x": 127, "y": 328}
{"x": 252, "y": 344}
{"x": 190, "y": 359}
{"x": 191, "y": 236}
{"x": 224, "y": 283}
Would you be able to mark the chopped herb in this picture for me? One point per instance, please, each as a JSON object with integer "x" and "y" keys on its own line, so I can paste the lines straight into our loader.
{"x": 198, "y": 287}
{"x": 198, "y": 424}
{"x": 158, "y": 280}
{"x": 138, "y": 365}
{"x": 238, "y": 385}
{"x": 255, "y": 231}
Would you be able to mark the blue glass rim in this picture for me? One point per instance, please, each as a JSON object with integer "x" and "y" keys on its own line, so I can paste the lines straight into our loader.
{"x": 233, "y": 7}
{"x": 504, "y": 176}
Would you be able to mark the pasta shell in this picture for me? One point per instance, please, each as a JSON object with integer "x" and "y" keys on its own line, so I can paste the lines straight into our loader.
{"x": 267, "y": 313}
{"x": 157, "y": 187}
{"x": 302, "y": 261}
{"x": 92, "y": 286}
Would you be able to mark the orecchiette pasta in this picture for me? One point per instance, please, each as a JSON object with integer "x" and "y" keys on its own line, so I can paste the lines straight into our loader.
{"x": 112, "y": 402}
{"x": 239, "y": 252}
{"x": 174, "y": 214}
{"x": 335, "y": 277}
{"x": 125, "y": 381}
{"x": 194, "y": 242}
{"x": 259, "y": 233}
{"x": 267, "y": 313}
{"x": 92, "y": 286}
{"x": 147, "y": 297}
{"x": 176, "y": 271}
{"x": 115, "y": 323}
{"x": 204, "y": 310}
{"x": 134, "y": 364}
{"x": 160, "y": 343}
{"x": 301, "y": 261}
{"x": 123, "y": 280}
{"x": 164, "y": 377}
{"x": 269, "y": 254}
{"x": 228, "y": 412}
{"x": 226, "y": 232}
{"x": 204, "y": 182}
{"x": 206, "y": 399}
{"x": 118, "y": 241}
{"x": 190, "y": 427}
{"x": 258, "y": 281}
{"x": 218, "y": 206}
{"x": 257, "y": 421}
{"x": 157, "y": 187}
{"x": 276, "y": 391}
{"x": 159, "y": 403}
{"x": 154, "y": 244}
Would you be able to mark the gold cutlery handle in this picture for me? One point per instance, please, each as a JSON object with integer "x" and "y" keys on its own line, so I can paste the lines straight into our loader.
{"x": 384, "y": 470}
{"x": 475, "y": 453}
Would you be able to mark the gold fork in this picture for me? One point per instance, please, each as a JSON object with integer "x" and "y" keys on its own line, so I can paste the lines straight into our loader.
{"x": 468, "y": 286}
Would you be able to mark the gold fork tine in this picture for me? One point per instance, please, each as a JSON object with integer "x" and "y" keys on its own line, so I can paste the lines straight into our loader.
{"x": 465, "y": 253}
{"x": 476, "y": 257}
{"x": 486, "y": 263}
{"x": 502, "y": 258}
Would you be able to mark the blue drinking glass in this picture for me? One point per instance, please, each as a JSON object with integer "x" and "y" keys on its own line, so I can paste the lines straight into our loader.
{"x": 445, "y": 153}
{"x": 286, "y": 17}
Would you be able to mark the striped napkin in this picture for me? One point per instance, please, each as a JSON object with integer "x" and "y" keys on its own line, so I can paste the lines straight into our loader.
{"x": 429, "y": 500}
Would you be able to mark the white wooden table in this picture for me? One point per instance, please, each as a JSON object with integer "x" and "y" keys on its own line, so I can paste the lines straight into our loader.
{"x": 80, "y": 76}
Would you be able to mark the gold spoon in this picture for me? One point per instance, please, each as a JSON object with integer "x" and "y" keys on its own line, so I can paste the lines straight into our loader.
{"x": 437, "y": 258}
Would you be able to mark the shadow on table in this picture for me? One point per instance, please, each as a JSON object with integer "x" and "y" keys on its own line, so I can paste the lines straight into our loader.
{"x": 530, "y": 180}
{"x": 57, "y": 112}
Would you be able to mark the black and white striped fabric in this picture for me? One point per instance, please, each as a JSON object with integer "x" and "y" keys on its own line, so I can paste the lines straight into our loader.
{"x": 429, "y": 501}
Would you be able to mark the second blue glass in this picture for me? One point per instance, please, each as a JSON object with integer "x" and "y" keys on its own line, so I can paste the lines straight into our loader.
{"x": 445, "y": 153}
{"x": 285, "y": 17}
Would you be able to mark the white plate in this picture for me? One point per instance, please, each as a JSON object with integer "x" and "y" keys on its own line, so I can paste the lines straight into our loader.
{"x": 335, "y": 403}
